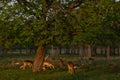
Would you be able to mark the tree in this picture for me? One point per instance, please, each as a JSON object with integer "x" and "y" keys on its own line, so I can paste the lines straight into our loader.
{"x": 40, "y": 22}
{"x": 93, "y": 21}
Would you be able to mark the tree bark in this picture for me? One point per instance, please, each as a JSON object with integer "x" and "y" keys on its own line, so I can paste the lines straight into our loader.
{"x": 38, "y": 62}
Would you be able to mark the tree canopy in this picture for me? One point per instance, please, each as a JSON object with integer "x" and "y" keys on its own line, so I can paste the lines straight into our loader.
{"x": 49, "y": 22}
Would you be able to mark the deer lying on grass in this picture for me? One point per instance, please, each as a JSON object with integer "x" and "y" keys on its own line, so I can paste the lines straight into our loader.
{"x": 48, "y": 64}
{"x": 27, "y": 63}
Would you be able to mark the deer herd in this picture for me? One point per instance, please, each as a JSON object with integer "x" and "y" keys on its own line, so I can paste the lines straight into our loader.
{"x": 47, "y": 64}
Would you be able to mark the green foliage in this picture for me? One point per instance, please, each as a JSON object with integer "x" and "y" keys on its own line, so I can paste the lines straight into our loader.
{"x": 94, "y": 23}
{"x": 48, "y": 22}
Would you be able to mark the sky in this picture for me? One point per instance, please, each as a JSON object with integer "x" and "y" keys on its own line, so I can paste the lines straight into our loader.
{"x": 1, "y": 4}
{"x": 117, "y": 0}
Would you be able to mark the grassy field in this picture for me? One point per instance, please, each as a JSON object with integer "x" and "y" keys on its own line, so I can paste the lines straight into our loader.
{"x": 100, "y": 71}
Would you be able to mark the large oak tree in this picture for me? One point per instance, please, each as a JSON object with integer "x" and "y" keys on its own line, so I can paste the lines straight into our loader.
{"x": 47, "y": 22}
{"x": 38, "y": 22}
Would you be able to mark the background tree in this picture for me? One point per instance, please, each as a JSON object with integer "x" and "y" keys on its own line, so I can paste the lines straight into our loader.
{"x": 93, "y": 24}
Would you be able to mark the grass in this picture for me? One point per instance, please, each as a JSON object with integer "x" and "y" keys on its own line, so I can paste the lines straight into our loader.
{"x": 16, "y": 74}
{"x": 101, "y": 71}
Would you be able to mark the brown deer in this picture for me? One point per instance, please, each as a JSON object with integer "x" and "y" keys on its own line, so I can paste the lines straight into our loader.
{"x": 26, "y": 63}
{"x": 71, "y": 69}
{"x": 48, "y": 64}
{"x": 61, "y": 63}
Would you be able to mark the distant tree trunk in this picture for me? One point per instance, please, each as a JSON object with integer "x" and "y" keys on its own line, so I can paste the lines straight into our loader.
{"x": 38, "y": 62}
{"x": 0, "y": 50}
{"x": 27, "y": 50}
{"x": 108, "y": 53}
{"x": 119, "y": 50}
{"x": 54, "y": 52}
{"x": 94, "y": 51}
{"x": 81, "y": 52}
{"x": 20, "y": 50}
{"x": 89, "y": 51}
{"x": 60, "y": 50}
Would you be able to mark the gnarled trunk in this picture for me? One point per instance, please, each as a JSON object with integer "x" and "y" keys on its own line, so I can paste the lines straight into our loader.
{"x": 38, "y": 62}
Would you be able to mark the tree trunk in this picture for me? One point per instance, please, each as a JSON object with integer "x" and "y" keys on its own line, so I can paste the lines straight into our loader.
{"x": 108, "y": 53}
{"x": 38, "y": 62}
{"x": 89, "y": 51}
{"x": 80, "y": 52}
{"x": 119, "y": 50}
{"x": 53, "y": 52}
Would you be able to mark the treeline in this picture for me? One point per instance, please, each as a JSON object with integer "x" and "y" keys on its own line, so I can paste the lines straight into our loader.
{"x": 82, "y": 51}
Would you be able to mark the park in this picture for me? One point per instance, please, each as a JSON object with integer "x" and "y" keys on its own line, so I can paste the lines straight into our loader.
{"x": 59, "y": 40}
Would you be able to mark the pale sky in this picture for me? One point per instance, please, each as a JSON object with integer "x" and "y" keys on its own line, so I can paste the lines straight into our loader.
{"x": 2, "y": 4}
{"x": 117, "y": 0}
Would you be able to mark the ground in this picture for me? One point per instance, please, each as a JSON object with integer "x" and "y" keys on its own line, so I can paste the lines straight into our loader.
{"x": 101, "y": 70}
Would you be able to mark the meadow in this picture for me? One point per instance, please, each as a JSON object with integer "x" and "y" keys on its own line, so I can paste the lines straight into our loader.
{"x": 101, "y": 70}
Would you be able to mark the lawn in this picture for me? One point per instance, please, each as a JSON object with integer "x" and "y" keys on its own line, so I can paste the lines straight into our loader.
{"x": 107, "y": 71}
